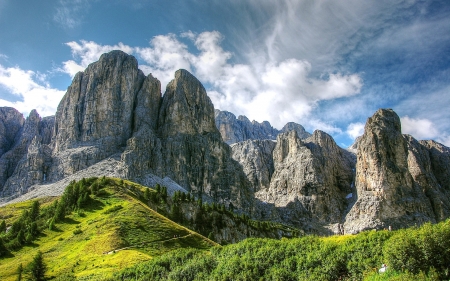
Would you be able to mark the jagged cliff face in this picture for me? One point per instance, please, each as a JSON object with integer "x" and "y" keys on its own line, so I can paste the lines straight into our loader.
{"x": 98, "y": 107}
{"x": 28, "y": 151}
{"x": 256, "y": 159}
{"x": 311, "y": 180}
{"x": 239, "y": 129}
{"x": 395, "y": 179}
{"x": 112, "y": 110}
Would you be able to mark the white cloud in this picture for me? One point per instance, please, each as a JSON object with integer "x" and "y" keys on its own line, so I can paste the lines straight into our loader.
{"x": 419, "y": 128}
{"x": 277, "y": 92}
{"x": 355, "y": 130}
{"x": 424, "y": 129}
{"x": 165, "y": 55}
{"x": 87, "y": 52}
{"x": 31, "y": 89}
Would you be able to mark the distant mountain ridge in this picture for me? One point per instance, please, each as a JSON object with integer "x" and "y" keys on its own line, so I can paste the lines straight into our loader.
{"x": 239, "y": 129}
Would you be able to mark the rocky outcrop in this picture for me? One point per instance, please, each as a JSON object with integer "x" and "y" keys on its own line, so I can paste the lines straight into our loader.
{"x": 395, "y": 180}
{"x": 291, "y": 126}
{"x": 310, "y": 183}
{"x": 28, "y": 159}
{"x": 256, "y": 158}
{"x": 95, "y": 118}
{"x": 11, "y": 123}
{"x": 184, "y": 144}
{"x": 305, "y": 183}
{"x": 239, "y": 129}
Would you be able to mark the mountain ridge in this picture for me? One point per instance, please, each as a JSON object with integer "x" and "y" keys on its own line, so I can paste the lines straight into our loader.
{"x": 114, "y": 120}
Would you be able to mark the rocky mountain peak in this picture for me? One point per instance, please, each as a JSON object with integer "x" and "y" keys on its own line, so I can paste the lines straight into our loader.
{"x": 98, "y": 105}
{"x": 395, "y": 179}
{"x": 238, "y": 129}
{"x": 386, "y": 120}
{"x": 292, "y": 126}
{"x": 186, "y": 108}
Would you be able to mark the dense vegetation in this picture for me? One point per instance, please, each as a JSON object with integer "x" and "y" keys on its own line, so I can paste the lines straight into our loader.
{"x": 98, "y": 226}
{"x": 412, "y": 254}
{"x": 209, "y": 218}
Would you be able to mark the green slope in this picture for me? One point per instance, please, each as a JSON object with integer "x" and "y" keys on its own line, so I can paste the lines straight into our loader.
{"x": 411, "y": 254}
{"x": 114, "y": 230}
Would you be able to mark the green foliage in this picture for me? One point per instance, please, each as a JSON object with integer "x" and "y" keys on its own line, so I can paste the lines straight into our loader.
{"x": 147, "y": 194}
{"x": 420, "y": 250}
{"x": 35, "y": 210}
{"x": 113, "y": 209}
{"x": 355, "y": 257}
{"x": 38, "y": 267}
{"x": 2, "y": 226}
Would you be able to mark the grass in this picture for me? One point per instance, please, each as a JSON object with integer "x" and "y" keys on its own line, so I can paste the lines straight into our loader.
{"x": 103, "y": 238}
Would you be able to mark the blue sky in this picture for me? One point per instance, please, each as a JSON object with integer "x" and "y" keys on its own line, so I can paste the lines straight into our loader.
{"x": 325, "y": 64}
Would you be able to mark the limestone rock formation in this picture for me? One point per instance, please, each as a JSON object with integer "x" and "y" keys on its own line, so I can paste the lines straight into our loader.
{"x": 395, "y": 180}
{"x": 11, "y": 122}
{"x": 304, "y": 183}
{"x": 234, "y": 129}
{"x": 291, "y": 126}
{"x": 28, "y": 158}
{"x": 256, "y": 158}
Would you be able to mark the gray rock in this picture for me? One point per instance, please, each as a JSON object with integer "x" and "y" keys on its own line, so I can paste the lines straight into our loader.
{"x": 194, "y": 154}
{"x": 256, "y": 158}
{"x": 310, "y": 183}
{"x": 95, "y": 117}
{"x": 18, "y": 170}
{"x": 291, "y": 126}
{"x": 11, "y": 123}
{"x": 239, "y": 129}
{"x": 394, "y": 181}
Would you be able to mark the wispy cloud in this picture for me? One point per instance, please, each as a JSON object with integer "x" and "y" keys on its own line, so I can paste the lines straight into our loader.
{"x": 70, "y": 13}
{"x": 31, "y": 89}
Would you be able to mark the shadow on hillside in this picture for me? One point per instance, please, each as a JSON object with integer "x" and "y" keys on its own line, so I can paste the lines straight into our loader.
{"x": 94, "y": 205}
{"x": 70, "y": 221}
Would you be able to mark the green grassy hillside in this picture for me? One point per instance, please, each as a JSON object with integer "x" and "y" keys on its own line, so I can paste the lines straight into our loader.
{"x": 104, "y": 233}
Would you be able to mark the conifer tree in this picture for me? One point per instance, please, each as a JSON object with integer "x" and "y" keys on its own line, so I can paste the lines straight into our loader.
{"x": 34, "y": 213}
{"x": 3, "y": 226}
{"x": 38, "y": 267}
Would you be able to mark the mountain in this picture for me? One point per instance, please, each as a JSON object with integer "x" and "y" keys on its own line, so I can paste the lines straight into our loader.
{"x": 239, "y": 129}
{"x": 113, "y": 121}
{"x": 112, "y": 110}
{"x": 299, "y": 182}
{"x": 399, "y": 181}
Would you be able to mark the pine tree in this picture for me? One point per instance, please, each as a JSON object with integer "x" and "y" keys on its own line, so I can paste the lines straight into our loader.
{"x": 38, "y": 267}
{"x": 3, "y": 250}
{"x": 60, "y": 212}
{"x": 3, "y": 226}
{"x": 147, "y": 194}
{"x": 34, "y": 214}
{"x": 21, "y": 237}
